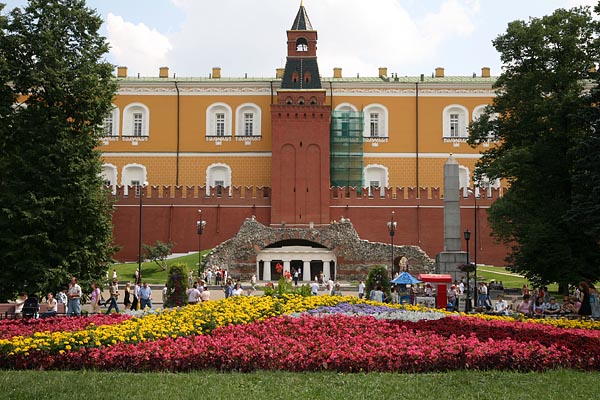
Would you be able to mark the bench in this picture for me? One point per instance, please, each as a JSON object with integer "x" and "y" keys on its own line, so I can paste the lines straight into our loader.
{"x": 7, "y": 310}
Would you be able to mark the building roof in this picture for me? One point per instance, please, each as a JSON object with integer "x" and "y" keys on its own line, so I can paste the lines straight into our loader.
{"x": 366, "y": 79}
{"x": 302, "y": 23}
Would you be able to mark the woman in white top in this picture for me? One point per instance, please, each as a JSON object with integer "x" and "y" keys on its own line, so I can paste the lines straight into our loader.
{"x": 237, "y": 291}
{"x": 20, "y": 302}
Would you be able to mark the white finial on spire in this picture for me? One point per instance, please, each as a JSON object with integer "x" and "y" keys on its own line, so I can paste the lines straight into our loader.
{"x": 301, "y": 3}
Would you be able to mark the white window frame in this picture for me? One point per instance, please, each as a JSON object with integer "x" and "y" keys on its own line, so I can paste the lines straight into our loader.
{"x": 382, "y": 123}
{"x": 113, "y": 116}
{"x": 379, "y": 173}
{"x": 217, "y": 173}
{"x": 374, "y": 124}
{"x": 477, "y": 113}
{"x": 128, "y": 120}
{"x": 220, "y": 124}
{"x": 211, "y": 120}
{"x": 132, "y": 173}
{"x": 248, "y": 124}
{"x": 464, "y": 179}
{"x": 138, "y": 123}
{"x": 109, "y": 175}
{"x": 240, "y": 121}
{"x": 460, "y": 132}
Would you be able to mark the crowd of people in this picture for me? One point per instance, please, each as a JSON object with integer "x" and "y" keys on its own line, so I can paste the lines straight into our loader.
{"x": 583, "y": 302}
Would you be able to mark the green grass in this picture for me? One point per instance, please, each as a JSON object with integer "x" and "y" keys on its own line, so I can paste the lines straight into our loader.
{"x": 509, "y": 281}
{"x": 561, "y": 384}
{"x": 151, "y": 272}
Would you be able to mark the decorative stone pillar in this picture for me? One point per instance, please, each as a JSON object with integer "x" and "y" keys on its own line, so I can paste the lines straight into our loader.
{"x": 306, "y": 272}
{"x": 267, "y": 270}
{"x": 286, "y": 266}
{"x": 258, "y": 269}
{"x": 448, "y": 260}
{"x": 326, "y": 270}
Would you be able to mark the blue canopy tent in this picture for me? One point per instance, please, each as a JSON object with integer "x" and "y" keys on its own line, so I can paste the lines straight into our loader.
{"x": 405, "y": 279}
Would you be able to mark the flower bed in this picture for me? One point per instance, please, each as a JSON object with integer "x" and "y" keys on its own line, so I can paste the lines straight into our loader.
{"x": 337, "y": 342}
{"x": 250, "y": 333}
{"x": 27, "y": 327}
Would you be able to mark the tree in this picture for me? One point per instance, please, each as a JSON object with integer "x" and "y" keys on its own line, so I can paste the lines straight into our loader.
{"x": 159, "y": 253}
{"x": 55, "y": 214}
{"x": 534, "y": 117}
{"x": 378, "y": 276}
{"x": 177, "y": 285}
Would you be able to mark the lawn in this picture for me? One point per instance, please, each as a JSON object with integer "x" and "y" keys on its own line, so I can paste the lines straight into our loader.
{"x": 509, "y": 280}
{"x": 151, "y": 272}
{"x": 23, "y": 385}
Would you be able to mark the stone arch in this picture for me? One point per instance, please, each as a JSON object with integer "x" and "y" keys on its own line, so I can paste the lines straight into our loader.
{"x": 338, "y": 240}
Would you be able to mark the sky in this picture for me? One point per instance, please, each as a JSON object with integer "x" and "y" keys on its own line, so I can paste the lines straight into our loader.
{"x": 248, "y": 37}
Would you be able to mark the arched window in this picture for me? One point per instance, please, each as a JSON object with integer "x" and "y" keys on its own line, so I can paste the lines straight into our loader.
{"x": 133, "y": 175}
{"x": 218, "y": 176}
{"x": 348, "y": 121}
{"x": 110, "y": 123}
{"x": 301, "y": 100}
{"x": 301, "y": 45}
{"x": 136, "y": 120}
{"x": 218, "y": 120}
{"x": 455, "y": 120}
{"x": 477, "y": 113}
{"x": 376, "y": 121}
{"x": 307, "y": 77}
{"x": 464, "y": 179}
{"x": 109, "y": 176}
{"x": 376, "y": 176}
{"x": 295, "y": 76}
{"x": 248, "y": 120}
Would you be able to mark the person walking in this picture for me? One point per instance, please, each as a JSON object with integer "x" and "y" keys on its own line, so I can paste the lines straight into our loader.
{"x": 145, "y": 296}
{"x": 74, "y": 296}
{"x": 113, "y": 291}
{"x": 136, "y": 296}
{"x": 127, "y": 297}
{"x": 585, "y": 310}
{"x": 95, "y": 298}
{"x": 361, "y": 289}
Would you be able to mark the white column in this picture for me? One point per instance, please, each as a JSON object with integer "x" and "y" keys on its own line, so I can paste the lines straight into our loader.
{"x": 326, "y": 267}
{"x": 267, "y": 270}
{"x": 258, "y": 269}
{"x": 306, "y": 272}
{"x": 286, "y": 266}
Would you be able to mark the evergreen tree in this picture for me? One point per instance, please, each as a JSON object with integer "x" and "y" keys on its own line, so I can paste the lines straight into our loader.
{"x": 534, "y": 117}
{"x": 55, "y": 215}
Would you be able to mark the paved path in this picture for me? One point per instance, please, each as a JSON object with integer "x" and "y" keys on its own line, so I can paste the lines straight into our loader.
{"x": 216, "y": 293}
{"x": 491, "y": 271}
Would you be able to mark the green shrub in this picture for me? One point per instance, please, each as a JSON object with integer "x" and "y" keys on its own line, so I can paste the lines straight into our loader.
{"x": 285, "y": 287}
{"x": 378, "y": 276}
{"x": 177, "y": 285}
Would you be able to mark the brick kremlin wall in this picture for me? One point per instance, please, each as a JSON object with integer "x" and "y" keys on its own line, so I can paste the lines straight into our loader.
{"x": 170, "y": 213}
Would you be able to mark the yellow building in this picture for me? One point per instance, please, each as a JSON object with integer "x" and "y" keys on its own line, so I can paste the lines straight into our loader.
{"x": 295, "y": 135}
{"x": 217, "y": 130}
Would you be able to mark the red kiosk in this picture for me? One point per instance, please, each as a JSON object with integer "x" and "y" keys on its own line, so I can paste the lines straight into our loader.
{"x": 441, "y": 281}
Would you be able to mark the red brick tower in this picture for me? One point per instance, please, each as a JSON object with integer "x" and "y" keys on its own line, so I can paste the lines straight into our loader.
{"x": 301, "y": 126}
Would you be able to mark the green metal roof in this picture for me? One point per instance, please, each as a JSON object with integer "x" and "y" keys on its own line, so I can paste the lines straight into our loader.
{"x": 391, "y": 80}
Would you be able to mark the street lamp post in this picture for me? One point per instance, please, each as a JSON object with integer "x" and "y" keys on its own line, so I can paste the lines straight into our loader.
{"x": 467, "y": 235}
{"x": 392, "y": 228}
{"x": 140, "y": 190}
{"x": 475, "y": 215}
{"x": 200, "y": 224}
